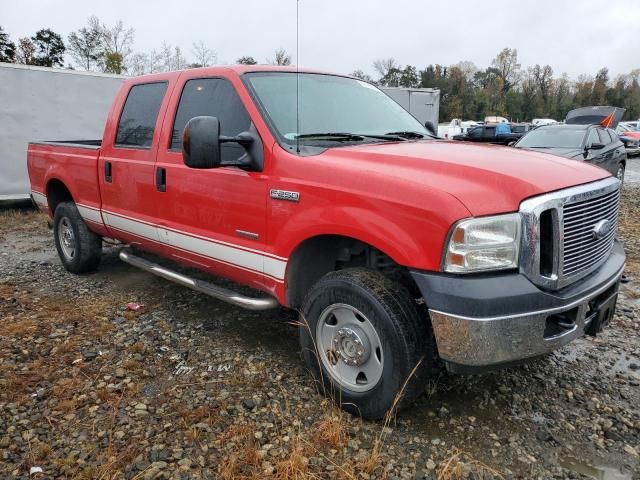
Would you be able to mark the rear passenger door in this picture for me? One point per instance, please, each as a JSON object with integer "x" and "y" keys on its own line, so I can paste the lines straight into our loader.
{"x": 215, "y": 218}
{"x": 126, "y": 165}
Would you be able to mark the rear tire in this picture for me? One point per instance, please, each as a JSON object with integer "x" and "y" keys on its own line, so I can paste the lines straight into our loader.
{"x": 362, "y": 339}
{"x": 78, "y": 247}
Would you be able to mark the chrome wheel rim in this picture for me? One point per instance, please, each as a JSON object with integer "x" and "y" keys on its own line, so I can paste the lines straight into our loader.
{"x": 620, "y": 173}
{"x": 66, "y": 238}
{"x": 349, "y": 347}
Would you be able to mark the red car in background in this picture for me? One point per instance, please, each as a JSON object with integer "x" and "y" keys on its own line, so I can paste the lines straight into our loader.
{"x": 630, "y": 137}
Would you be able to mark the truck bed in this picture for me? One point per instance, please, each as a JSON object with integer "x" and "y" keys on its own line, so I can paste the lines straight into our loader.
{"x": 74, "y": 163}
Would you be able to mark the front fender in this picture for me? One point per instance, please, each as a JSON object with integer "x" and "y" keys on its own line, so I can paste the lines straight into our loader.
{"x": 410, "y": 236}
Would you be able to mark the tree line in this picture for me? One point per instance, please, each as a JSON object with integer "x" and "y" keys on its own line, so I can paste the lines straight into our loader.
{"x": 97, "y": 47}
{"x": 506, "y": 88}
{"x": 466, "y": 91}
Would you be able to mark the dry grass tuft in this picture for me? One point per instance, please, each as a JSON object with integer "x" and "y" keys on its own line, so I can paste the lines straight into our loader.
{"x": 243, "y": 461}
{"x": 296, "y": 466}
{"x": 22, "y": 220}
{"x": 137, "y": 347}
{"x": 331, "y": 430}
{"x": 461, "y": 465}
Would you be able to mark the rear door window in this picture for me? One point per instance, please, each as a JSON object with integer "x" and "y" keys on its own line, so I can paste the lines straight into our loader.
{"x": 139, "y": 114}
{"x": 214, "y": 97}
{"x": 604, "y": 136}
{"x": 593, "y": 137}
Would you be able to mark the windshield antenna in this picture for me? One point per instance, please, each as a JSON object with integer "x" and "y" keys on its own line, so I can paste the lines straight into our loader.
{"x": 297, "y": 76}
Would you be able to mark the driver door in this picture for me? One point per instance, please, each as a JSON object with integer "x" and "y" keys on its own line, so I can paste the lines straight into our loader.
{"x": 213, "y": 219}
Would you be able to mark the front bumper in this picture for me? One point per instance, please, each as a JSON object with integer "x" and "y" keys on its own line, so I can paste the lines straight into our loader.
{"x": 487, "y": 321}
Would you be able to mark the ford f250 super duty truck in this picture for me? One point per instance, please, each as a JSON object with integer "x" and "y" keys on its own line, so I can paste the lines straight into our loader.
{"x": 325, "y": 196}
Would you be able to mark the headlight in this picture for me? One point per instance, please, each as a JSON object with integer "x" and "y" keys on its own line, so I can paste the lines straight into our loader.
{"x": 486, "y": 243}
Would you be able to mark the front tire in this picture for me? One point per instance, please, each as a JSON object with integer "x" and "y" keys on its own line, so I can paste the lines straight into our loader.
{"x": 78, "y": 247}
{"x": 362, "y": 338}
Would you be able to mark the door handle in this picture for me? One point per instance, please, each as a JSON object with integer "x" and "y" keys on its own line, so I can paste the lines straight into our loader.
{"x": 107, "y": 172}
{"x": 161, "y": 179}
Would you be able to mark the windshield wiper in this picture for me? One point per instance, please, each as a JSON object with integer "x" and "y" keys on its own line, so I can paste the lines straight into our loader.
{"x": 406, "y": 134}
{"x": 342, "y": 136}
{"x": 337, "y": 136}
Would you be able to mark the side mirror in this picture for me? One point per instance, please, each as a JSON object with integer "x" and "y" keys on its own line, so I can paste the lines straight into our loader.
{"x": 201, "y": 143}
{"x": 596, "y": 146}
{"x": 430, "y": 128}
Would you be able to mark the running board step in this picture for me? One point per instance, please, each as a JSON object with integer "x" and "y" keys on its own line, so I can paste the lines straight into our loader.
{"x": 200, "y": 285}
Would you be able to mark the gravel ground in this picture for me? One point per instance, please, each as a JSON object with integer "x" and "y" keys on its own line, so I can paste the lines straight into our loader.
{"x": 189, "y": 387}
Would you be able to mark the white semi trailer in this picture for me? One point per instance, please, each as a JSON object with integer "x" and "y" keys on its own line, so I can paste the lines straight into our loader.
{"x": 39, "y": 103}
{"x": 422, "y": 103}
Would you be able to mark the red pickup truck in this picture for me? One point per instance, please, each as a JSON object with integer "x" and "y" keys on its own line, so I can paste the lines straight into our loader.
{"x": 325, "y": 196}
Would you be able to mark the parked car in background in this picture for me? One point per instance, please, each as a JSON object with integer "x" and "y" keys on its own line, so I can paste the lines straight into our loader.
{"x": 583, "y": 137}
{"x": 628, "y": 130}
{"x": 455, "y": 127}
{"x": 489, "y": 133}
{"x": 495, "y": 119}
{"x": 630, "y": 138}
{"x": 538, "y": 122}
{"x": 635, "y": 126}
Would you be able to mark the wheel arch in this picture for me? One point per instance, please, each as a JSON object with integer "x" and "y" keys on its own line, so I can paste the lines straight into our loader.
{"x": 57, "y": 192}
{"x": 320, "y": 254}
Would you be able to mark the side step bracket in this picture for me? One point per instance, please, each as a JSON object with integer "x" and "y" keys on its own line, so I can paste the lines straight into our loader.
{"x": 202, "y": 286}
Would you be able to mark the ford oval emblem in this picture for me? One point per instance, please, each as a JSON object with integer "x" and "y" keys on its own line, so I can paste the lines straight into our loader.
{"x": 601, "y": 229}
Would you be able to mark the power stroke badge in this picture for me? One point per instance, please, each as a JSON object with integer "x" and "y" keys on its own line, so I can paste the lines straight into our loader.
{"x": 285, "y": 195}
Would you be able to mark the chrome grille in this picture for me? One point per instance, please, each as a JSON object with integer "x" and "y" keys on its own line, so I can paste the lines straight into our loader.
{"x": 575, "y": 227}
{"x": 582, "y": 249}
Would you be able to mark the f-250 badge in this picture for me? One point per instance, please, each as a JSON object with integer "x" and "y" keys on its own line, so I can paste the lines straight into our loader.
{"x": 285, "y": 195}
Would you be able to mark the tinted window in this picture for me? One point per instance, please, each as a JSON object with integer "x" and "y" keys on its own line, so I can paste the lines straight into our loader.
{"x": 489, "y": 131}
{"x": 553, "y": 137}
{"x": 593, "y": 137}
{"x": 139, "y": 115}
{"x": 214, "y": 97}
{"x": 475, "y": 132}
{"x": 604, "y": 136}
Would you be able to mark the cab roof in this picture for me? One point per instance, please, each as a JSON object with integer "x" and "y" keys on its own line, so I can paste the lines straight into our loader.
{"x": 218, "y": 69}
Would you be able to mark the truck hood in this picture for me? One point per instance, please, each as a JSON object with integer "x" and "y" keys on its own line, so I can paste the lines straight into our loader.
{"x": 487, "y": 179}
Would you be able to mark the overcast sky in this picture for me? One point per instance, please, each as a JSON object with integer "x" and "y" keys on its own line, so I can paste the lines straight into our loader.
{"x": 343, "y": 35}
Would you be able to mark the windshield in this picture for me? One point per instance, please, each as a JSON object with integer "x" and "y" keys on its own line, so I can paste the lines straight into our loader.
{"x": 553, "y": 138}
{"x": 328, "y": 103}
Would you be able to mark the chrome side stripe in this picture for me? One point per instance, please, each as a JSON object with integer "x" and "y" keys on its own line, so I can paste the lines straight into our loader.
{"x": 141, "y": 229}
{"x": 245, "y": 259}
{"x": 89, "y": 213}
{"x": 40, "y": 199}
